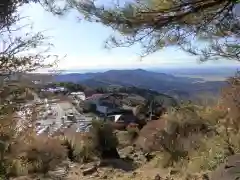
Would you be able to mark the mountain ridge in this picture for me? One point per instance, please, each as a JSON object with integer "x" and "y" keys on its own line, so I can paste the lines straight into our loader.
{"x": 161, "y": 82}
{"x": 82, "y": 76}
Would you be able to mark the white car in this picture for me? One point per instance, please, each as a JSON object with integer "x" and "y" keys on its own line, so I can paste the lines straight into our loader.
{"x": 49, "y": 112}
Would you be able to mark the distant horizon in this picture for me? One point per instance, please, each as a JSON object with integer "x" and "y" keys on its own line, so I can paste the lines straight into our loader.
{"x": 154, "y": 69}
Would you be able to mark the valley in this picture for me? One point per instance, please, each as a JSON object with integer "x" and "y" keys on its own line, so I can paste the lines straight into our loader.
{"x": 180, "y": 86}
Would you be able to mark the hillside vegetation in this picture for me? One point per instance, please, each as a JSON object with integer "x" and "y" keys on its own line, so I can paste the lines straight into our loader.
{"x": 181, "y": 87}
{"x": 188, "y": 142}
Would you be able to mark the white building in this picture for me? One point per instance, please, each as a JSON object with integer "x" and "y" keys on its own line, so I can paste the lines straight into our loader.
{"x": 79, "y": 95}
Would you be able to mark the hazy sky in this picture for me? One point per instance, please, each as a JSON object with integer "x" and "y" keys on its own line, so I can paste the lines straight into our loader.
{"x": 83, "y": 43}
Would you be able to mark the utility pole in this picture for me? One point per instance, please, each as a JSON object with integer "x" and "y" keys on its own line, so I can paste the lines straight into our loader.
{"x": 151, "y": 109}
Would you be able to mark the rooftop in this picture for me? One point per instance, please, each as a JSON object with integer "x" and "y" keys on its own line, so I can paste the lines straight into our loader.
{"x": 95, "y": 96}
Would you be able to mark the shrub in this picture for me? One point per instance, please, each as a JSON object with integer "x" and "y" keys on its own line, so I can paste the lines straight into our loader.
{"x": 104, "y": 139}
{"x": 224, "y": 120}
{"x": 80, "y": 148}
{"x": 87, "y": 146}
{"x": 229, "y": 127}
{"x": 199, "y": 138}
{"x": 133, "y": 132}
{"x": 180, "y": 133}
{"x": 231, "y": 97}
{"x": 211, "y": 152}
{"x": 41, "y": 155}
{"x": 184, "y": 127}
{"x": 13, "y": 133}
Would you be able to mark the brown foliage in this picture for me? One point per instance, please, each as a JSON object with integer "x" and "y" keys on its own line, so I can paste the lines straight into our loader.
{"x": 146, "y": 139}
{"x": 80, "y": 147}
{"x": 197, "y": 138}
{"x": 103, "y": 136}
{"x": 177, "y": 134}
{"x": 88, "y": 146}
{"x": 41, "y": 155}
{"x": 231, "y": 96}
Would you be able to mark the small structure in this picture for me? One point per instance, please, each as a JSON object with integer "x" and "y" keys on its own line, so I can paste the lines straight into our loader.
{"x": 37, "y": 82}
{"x": 122, "y": 118}
{"x": 93, "y": 104}
{"x": 95, "y": 97}
{"x": 55, "y": 90}
{"x": 70, "y": 116}
{"x": 122, "y": 121}
{"x": 79, "y": 95}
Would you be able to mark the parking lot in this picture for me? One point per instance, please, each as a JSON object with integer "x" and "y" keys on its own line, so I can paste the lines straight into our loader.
{"x": 59, "y": 116}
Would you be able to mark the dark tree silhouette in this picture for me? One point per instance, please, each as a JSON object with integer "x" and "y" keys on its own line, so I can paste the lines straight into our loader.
{"x": 207, "y": 28}
{"x": 157, "y": 24}
{"x": 19, "y": 54}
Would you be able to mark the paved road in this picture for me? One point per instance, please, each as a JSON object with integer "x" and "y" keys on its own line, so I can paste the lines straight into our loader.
{"x": 55, "y": 123}
{"x": 82, "y": 122}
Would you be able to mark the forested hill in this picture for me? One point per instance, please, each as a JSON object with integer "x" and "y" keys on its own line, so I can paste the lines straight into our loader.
{"x": 161, "y": 82}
